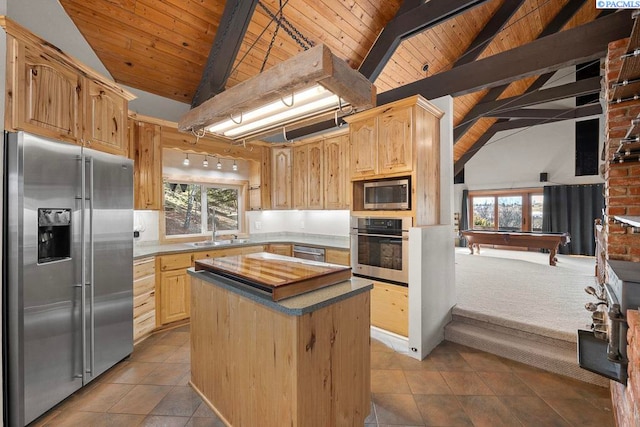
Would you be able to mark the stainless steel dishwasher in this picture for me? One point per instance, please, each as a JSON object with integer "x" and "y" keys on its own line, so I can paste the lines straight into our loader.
{"x": 306, "y": 252}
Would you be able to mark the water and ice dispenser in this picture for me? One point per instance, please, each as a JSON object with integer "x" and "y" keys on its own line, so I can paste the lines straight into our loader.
{"x": 54, "y": 234}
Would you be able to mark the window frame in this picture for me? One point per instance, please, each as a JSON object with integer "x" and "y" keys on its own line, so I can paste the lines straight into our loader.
{"x": 243, "y": 202}
{"x": 525, "y": 193}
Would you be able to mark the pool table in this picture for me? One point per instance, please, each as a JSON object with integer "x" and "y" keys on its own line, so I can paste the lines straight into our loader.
{"x": 527, "y": 239}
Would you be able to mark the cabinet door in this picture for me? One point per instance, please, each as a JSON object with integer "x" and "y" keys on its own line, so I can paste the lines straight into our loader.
{"x": 47, "y": 95}
{"x": 395, "y": 141}
{"x": 280, "y": 249}
{"x": 390, "y": 308}
{"x": 315, "y": 176}
{"x": 336, "y": 172}
{"x": 105, "y": 119}
{"x": 364, "y": 148}
{"x": 337, "y": 256}
{"x": 147, "y": 168}
{"x": 300, "y": 173}
{"x": 281, "y": 169}
{"x": 175, "y": 296}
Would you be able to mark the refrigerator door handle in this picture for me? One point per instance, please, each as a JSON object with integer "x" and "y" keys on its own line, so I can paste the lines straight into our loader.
{"x": 83, "y": 267}
{"x": 92, "y": 321}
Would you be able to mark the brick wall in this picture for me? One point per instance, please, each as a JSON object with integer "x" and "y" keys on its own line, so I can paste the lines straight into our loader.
{"x": 625, "y": 400}
{"x": 622, "y": 197}
{"x": 622, "y": 180}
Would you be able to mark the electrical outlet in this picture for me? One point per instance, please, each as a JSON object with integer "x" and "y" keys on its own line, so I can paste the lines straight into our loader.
{"x": 258, "y": 225}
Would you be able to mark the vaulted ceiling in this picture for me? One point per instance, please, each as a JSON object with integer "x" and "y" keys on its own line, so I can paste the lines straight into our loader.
{"x": 162, "y": 46}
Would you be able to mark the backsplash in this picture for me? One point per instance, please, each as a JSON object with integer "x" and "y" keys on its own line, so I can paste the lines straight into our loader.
{"x": 146, "y": 223}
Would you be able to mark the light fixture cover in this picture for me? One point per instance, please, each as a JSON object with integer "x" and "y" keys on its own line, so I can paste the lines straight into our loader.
{"x": 219, "y": 165}
{"x": 186, "y": 160}
{"x": 235, "y": 166}
{"x": 316, "y": 67}
{"x": 205, "y": 162}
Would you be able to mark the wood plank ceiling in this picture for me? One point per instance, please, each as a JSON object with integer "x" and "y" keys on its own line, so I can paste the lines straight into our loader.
{"x": 161, "y": 46}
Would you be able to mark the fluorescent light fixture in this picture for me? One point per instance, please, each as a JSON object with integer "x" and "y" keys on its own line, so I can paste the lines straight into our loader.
{"x": 306, "y": 86}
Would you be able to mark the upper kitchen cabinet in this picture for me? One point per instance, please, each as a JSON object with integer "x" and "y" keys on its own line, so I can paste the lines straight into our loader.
{"x": 308, "y": 171}
{"x": 336, "y": 172}
{"x": 281, "y": 178}
{"x": 49, "y": 93}
{"x": 147, "y": 146}
{"x": 400, "y": 139}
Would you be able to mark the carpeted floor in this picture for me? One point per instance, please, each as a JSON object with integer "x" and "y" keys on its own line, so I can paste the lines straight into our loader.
{"x": 520, "y": 289}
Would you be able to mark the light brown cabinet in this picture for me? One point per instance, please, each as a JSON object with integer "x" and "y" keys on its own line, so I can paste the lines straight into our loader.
{"x": 390, "y": 308}
{"x": 144, "y": 303}
{"x": 147, "y": 176}
{"x": 337, "y": 256}
{"x": 280, "y": 249}
{"x": 336, "y": 172}
{"x": 308, "y": 176}
{"x": 382, "y": 144}
{"x": 49, "y": 93}
{"x": 281, "y": 178}
{"x": 105, "y": 119}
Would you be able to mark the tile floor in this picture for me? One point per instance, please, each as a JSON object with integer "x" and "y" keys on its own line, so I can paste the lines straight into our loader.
{"x": 453, "y": 386}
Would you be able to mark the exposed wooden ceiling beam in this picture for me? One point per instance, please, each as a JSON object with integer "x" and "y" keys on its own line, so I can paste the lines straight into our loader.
{"x": 504, "y": 124}
{"x": 549, "y": 113}
{"x": 556, "y": 93}
{"x": 493, "y": 27}
{"x": 584, "y": 43}
{"x": 410, "y": 21}
{"x": 233, "y": 26}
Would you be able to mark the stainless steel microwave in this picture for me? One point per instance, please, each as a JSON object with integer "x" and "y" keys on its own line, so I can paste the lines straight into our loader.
{"x": 387, "y": 194}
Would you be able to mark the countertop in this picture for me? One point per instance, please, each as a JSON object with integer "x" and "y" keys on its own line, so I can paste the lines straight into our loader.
{"x": 294, "y": 306}
{"x": 142, "y": 250}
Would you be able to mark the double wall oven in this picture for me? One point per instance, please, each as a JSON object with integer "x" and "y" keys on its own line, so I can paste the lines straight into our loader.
{"x": 380, "y": 248}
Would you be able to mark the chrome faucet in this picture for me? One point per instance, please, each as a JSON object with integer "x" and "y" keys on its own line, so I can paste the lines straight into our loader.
{"x": 213, "y": 225}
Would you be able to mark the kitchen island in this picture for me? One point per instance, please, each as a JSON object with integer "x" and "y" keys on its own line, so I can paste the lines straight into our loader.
{"x": 298, "y": 361}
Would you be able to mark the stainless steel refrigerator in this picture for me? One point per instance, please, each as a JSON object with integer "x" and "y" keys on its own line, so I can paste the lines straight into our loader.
{"x": 68, "y": 274}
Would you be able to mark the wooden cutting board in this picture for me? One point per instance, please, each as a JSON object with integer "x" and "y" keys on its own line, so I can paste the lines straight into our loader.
{"x": 281, "y": 276}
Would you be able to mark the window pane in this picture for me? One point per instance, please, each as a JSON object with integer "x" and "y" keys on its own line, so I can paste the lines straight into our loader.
{"x": 182, "y": 208}
{"x": 536, "y": 212}
{"x": 222, "y": 204}
{"x": 483, "y": 212}
{"x": 510, "y": 213}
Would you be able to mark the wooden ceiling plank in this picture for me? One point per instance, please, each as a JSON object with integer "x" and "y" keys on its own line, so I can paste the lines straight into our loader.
{"x": 232, "y": 28}
{"x": 421, "y": 17}
{"x": 570, "y": 47}
{"x": 488, "y": 33}
{"x": 200, "y": 23}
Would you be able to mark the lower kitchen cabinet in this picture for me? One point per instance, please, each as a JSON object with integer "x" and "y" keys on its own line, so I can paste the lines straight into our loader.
{"x": 337, "y": 256}
{"x": 390, "y": 308}
{"x": 280, "y": 249}
{"x": 175, "y": 296}
{"x": 144, "y": 297}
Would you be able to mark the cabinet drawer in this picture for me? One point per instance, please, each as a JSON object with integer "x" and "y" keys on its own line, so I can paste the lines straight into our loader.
{"x": 143, "y": 267}
{"x": 144, "y": 285}
{"x": 217, "y": 253}
{"x": 338, "y": 256}
{"x": 144, "y": 303}
{"x": 390, "y": 308}
{"x": 175, "y": 261}
{"x": 144, "y": 325}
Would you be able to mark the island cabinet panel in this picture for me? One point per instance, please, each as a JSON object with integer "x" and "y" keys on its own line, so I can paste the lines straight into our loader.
{"x": 390, "y": 307}
{"x": 46, "y": 94}
{"x": 281, "y": 178}
{"x": 363, "y": 136}
{"x": 336, "y": 172}
{"x": 105, "y": 123}
{"x": 144, "y": 303}
{"x": 257, "y": 366}
{"x": 395, "y": 141}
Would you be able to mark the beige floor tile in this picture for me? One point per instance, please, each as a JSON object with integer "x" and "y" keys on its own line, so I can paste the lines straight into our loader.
{"x": 378, "y": 346}
{"x": 164, "y": 421}
{"x": 180, "y": 402}
{"x": 182, "y": 355}
{"x": 547, "y": 385}
{"x": 96, "y": 419}
{"x": 488, "y": 411}
{"x": 505, "y": 384}
{"x": 466, "y": 384}
{"x": 447, "y": 360}
{"x": 484, "y": 362}
{"x": 174, "y": 338}
{"x": 205, "y": 422}
{"x": 130, "y": 373}
{"x": 581, "y": 412}
{"x": 141, "y": 399}
{"x": 100, "y": 399}
{"x": 426, "y": 382}
{"x": 397, "y": 409}
{"x": 438, "y": 410}
{"x": 388, "y": 381}
{"x": 167, "y": 374}
{"x": 154, "y": 353}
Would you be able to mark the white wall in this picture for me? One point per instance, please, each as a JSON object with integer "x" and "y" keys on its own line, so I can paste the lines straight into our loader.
{"x": 329, "y": 223}
{"x": 515, "y": 158}
{"x": 53, "y": 24}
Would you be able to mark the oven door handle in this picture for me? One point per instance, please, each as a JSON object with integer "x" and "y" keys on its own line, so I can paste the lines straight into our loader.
{"x": 388, "y": 236}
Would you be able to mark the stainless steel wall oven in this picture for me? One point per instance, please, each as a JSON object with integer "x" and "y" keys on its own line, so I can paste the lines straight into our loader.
{"x": 380, "y": 248}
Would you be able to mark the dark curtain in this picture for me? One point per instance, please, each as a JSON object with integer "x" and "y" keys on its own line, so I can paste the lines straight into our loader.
{"x": 573, "y": 209}
{"x": 464, "y": 217}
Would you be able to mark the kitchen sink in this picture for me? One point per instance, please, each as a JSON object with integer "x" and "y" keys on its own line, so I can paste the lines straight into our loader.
{"x": 239, "y": 240}
{"x": 208, "y": 243}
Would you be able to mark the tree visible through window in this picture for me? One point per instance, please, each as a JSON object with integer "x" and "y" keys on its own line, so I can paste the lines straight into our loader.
{"x": 513, "y": 210}
{"x": 192, "y": 209}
